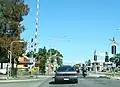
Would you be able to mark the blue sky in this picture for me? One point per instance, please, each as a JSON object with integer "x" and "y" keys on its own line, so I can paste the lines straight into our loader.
{"x": 88, "y": 24}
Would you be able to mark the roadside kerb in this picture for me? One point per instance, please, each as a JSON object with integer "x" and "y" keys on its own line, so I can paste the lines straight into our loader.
{"x": 112, "y": 76}
{"x": 26, "y": 80}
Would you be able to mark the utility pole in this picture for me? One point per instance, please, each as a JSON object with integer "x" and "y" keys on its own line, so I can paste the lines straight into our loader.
{"x": 12, "y": 59}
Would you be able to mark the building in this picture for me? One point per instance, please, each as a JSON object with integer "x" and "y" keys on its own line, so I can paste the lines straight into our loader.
{"x": 24, "y": 61}
{"x": 96, "y": 65}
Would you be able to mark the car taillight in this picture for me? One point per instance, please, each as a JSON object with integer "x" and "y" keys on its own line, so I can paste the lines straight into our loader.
{"x": 74, "y": 74}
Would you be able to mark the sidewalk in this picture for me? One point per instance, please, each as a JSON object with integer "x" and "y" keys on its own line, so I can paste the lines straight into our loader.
{"x": 24, "y": 79}
{"x": 113, "y": 77}
{"x": 105, "y": 74}
{"x": 96, "y": 75}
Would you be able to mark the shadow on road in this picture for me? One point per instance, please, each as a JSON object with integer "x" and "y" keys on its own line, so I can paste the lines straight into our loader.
{"x": 53, "y": 82}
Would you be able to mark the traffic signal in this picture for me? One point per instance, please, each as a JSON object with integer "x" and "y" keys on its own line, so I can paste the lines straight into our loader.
{"x": 31, "y": 40}
{"x": 106, "y": 57}
{"x": 95, "y": 57}
{"x": 89, "y": 62}
{"x": 113, "y": 49}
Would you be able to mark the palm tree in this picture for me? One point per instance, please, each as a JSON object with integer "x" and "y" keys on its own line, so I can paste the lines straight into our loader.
{"x": 55, "y": 54}
{"x": 44, "y": 56}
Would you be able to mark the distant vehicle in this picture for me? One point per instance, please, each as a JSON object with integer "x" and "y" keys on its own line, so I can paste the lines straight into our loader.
{"x": 84, "y": 73}
{"x": 77, "y": 70}
{"x": 3, "y": 71}
{"x": 77, "y": 67}
{"x": 84, "y": 70}
{"x": 66, "y": 73}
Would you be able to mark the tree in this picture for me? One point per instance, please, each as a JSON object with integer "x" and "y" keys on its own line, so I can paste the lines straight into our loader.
{"x": 112, "y": 59}
{"x": 29, "y": 54}
{"x": 116, "y": 59}
{"x": 43, "y": 55}
{"x": 59, "y": 61}
{"x": 56, "y": 54}
{"x": 11, "y": 16}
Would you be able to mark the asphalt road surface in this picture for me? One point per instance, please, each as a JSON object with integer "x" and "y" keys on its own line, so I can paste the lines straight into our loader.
{"x": 83, "y": 82}
{"x": 21, "y": 84}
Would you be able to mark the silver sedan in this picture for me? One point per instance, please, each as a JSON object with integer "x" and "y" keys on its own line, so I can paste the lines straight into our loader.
{"x": 66, "y": 73}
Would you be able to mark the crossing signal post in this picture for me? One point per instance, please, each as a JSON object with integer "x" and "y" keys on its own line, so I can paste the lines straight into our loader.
{"x": 95, "y": 60}
{"x": 95, "y": 56}
{"x": 113, "y": 47}
{"x": 106, "y": 57}
{"x": 107, "y": 60}
{"x": 113, "y": 50}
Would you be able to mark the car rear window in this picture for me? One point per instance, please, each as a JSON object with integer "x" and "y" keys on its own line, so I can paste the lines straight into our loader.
{"x": 65, "y": 69}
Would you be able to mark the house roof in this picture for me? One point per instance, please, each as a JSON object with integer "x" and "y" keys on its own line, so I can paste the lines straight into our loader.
{"x": 25, "y": 57}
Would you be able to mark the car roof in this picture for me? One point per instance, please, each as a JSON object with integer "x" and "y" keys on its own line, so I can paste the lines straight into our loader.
{"x": 66, "y": 66}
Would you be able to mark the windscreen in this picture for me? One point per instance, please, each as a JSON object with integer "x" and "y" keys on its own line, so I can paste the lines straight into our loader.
{"x": 65, "y": 69}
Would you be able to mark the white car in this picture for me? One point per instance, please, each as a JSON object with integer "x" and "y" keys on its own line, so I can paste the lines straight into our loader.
{"x": 3, "y": 71}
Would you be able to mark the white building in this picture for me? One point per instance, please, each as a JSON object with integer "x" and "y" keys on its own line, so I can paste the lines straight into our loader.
{"x": 97, "y": 65}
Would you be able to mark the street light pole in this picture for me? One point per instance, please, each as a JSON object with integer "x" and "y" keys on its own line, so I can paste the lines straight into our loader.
{"x": 20, "y": 41}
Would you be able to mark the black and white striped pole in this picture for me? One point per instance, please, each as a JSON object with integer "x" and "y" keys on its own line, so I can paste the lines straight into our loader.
{"x": 32, "y": 50}
{"x": 36, "y": 28}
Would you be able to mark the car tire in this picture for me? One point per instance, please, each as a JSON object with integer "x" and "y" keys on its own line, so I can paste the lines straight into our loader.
{"x": 56, "y": 81}
{"x": 76, "y": 81}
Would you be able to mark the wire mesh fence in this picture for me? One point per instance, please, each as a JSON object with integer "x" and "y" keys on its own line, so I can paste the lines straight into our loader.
{"x": 23, "y": 73}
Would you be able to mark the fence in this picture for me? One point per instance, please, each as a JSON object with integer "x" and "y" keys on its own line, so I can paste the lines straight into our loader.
{"x": 22, "y": 72}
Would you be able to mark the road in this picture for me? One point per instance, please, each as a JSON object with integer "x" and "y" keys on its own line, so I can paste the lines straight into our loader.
{"x": 21, "y": 84}
{"x": 25, "y": 83}
{"x": 83, "y": 82}
{"x": 86, "y": 82}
